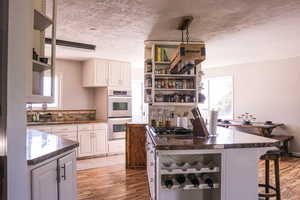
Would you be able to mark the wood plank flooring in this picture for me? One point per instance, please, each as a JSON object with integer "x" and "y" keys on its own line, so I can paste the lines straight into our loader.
{"x": 116, "y": 183}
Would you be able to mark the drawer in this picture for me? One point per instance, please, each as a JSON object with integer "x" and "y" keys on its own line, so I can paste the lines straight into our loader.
{"x": 117, "y": 146}
{"x": 66, "y": 134}
{"x": 45, "y": 129}
{"x": 100, "y": 126}
{"x": 64, "y": 128}
{"x": 85, "y": 127}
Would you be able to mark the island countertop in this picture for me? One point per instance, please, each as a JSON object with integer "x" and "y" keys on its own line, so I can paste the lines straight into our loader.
{"x": 225, "y": 139}
{"x": 42, "y": 146}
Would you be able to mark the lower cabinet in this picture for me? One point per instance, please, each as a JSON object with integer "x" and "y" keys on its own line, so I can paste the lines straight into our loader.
{"x": 85, "y": 139}
{"x": 67, "y": 177}
{"x": 92, "y": 143}
{"x": 55, "y": 180}
{"x": 99, "y": 142}
{"x": 116, "y": 146}
{"x": 44, "y": 182}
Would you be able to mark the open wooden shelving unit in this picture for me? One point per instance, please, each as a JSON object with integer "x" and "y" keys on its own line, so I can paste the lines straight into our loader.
{"x": 42, "y": 24}
{"x": 159, "y": 70}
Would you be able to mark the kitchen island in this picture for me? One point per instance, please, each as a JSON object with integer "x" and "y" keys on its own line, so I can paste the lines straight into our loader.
{"x": 224, "y": 167}
{"x": 51, "y": 166}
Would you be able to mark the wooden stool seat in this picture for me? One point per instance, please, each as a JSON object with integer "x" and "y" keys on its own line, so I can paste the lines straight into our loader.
{"x": 271, "y": 191}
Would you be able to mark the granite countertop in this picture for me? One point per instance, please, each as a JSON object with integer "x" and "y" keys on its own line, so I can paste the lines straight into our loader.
{"x": 226, "y": 139}
{"x": 65, "y": 122}
{"x": 41, "y": 146}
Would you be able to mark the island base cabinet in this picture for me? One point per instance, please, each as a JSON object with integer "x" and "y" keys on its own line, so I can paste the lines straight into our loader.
{"x": 67, "y": 177}
{"x": 55, "y": 180}
{"x": 44, "y": 182}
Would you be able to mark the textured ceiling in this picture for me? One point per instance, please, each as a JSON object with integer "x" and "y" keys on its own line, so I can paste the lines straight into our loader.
{"x": 119, "y": 27}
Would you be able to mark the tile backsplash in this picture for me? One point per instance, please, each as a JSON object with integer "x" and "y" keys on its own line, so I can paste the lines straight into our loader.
{"x": 61, "y": 115}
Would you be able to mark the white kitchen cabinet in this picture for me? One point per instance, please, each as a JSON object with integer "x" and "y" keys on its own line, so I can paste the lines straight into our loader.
{"x": 67, "y": 177}
{"x": 126, "y": 75}
{"x": 44, "y": 182}
{"x": 116, "y": 146}
{"x": 92, "y": 138}
{"x": 85, "y": 139}
{"x": 93, "y": 141}
{"x": 95, "y": 73}
{"x": 55, "y": 179}
{"x": 115, "y": 73}
{"x": 106, "y": 73}
{"x": 99, "y": 142}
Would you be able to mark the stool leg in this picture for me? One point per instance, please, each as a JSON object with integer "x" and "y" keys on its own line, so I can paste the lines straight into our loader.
{"x": 277, "y": 179}
{"x": 267, "y": 176}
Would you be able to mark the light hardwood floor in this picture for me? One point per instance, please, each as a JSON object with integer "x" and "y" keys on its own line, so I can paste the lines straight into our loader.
{"x": 116, "y": 183}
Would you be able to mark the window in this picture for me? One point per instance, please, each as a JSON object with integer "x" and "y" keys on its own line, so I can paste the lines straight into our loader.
{"x": 219, "y": 96}
{"x": 47, "y": 92}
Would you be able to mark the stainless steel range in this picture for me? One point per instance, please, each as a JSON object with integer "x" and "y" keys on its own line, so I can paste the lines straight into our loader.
{"x": 119, "y": 113}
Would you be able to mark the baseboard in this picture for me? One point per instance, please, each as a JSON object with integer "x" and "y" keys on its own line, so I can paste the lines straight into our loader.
{"x": 296, "y": 154}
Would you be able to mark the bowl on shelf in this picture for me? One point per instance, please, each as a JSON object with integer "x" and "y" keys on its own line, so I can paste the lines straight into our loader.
{"x": 44, "y": 60}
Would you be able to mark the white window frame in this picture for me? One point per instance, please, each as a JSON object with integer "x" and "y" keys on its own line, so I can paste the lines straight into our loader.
{"x": 233, "y": 91}
{"x": 38, "y": 106}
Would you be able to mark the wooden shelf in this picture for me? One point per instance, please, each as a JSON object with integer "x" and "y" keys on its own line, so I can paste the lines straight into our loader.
{"x": 191, "y": 187}
{"x": 163, "y": 63}
{"x": 173, "y": 89}
{"x": 190, "y": 171}
{"x": 39, "y": 66}
{"x": 41, "y": 21}
{"x": 176, "y": 75}
{"x": 148, "y": 88}
{"x": 172, "y": 104}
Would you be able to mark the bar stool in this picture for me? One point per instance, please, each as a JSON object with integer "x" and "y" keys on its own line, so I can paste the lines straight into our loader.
{"x": 271, "y": 191}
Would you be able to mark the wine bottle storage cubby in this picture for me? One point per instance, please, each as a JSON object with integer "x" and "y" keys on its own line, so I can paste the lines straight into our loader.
{"x": 189, "y": 172}
{"x": 189, "y": 181}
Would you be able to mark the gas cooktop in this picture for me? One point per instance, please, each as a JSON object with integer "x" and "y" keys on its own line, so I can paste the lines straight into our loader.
{"x": 172, "y": 131}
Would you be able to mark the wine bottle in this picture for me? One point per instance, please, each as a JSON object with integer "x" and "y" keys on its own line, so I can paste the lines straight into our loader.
{"x": 194, "y": 180}
{"x": 207, "y": 179}
{"x": 180, "y": 178}
{"x": 169, "y": 182}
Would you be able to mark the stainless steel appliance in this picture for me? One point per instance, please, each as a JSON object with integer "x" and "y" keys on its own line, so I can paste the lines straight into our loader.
{"x": 119, "y": 103}
{"x": 119, "y": 113}
{"x": 117, "y": 128}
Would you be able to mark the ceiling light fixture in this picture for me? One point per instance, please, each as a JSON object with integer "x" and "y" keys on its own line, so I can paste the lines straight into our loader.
{"x": 184, "y": 26}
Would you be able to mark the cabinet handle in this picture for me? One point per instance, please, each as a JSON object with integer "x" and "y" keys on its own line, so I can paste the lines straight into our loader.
{"x": 63, "y": 175}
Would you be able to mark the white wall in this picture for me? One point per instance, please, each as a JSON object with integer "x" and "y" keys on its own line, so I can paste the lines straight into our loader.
{"x": 19, "y": 57}
{"x": 270, "y": 90}
{"x": 73, "y": 95}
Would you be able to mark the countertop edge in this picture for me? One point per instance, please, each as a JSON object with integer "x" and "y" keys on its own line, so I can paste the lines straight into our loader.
{"x": 38, "y": 160}
{"x": 276, "y": 143}
{"x": 64, "y": 122}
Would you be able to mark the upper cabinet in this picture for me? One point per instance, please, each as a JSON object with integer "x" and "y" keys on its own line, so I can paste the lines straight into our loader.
{"x": 95, "y": 73}
{"x": 40, "y": 75}
{"x": 106, "y": 73}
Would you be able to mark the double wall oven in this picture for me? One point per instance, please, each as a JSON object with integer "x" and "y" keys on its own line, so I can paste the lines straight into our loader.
{"x": 119, "y": 113}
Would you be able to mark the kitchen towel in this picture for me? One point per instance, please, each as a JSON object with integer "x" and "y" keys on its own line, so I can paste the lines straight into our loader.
{"x": 213, "y": 120}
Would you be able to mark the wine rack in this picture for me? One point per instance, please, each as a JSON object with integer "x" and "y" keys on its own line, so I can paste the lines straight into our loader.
{"x": 191, "y": 176}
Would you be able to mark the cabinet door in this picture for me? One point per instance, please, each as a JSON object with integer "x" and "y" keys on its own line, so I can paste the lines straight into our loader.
{"x": 85, "y": 143}
{"x": 126, "y": 75}
{"x": 115, "y": 73}
{"x": 67, "y": 177}
{"x": 101, "y": 73}
{"x": 44, "y": 182}
{"x": 99, "y": 141}
{"x": 88, "y": 72}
